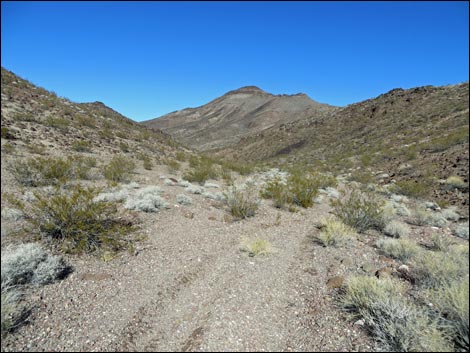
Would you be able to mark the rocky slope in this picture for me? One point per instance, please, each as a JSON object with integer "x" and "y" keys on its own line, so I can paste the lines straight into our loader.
{"x": 225, "y": 120}
{"x": 418, "y": 135}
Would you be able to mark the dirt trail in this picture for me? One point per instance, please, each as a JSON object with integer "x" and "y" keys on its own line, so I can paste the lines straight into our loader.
{"x": 190, "y": 288}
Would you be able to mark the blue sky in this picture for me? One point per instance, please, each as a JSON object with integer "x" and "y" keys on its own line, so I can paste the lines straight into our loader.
{"x": 145, "y": 59}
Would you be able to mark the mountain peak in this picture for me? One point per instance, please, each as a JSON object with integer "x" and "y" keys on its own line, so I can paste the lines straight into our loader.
{"x": 248, "y": 89}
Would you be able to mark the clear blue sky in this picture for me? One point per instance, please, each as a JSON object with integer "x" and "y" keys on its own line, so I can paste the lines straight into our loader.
{"x": 145, "y": 59}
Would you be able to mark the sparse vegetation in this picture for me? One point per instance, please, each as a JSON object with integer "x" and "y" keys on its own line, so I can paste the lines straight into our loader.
{"x": 146, "y": 200}
{"x": 256, "y": 247}
{"x": 360, "y": 210}
{"x": 402, "y": 249}
{"x": 396, "y": 229}
{"x": 334, "y": 233}
{"x": 396, "y": 323}
{"x": 30, "y": 264}
{"x": 119, "y": 168}
{"x": 81, "y": 146}
{"x": 74, "y": 221}
{"x": 242, "y": 202}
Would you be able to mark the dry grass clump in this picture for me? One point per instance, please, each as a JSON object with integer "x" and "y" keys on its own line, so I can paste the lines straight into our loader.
{"x": 396, "y": 323}
{"x": 396, "y": 229}
{"x": 242, "y": 201}
{"x": 461, "y": 230}
{"x": 440, "y": 242}
{"x": 455, "y": 182}
{"x": 11, "y": 313}
{"x": 401, "y": 249}
{"x": 435, "y": 269}
{"x": 451, "y": 303}
{"x": 77, "y": 223}
{"x": 334, "y": 233}
{"x": 256, "y": 247}
{"x": 360, "y": 210}
{"x": 423, "y": 217}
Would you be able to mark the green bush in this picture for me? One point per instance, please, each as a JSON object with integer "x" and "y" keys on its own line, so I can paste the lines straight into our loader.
{"x": 203, "y": 171}
{"x": 119, "y": 168}
{"x": 413, "y": 188}
{"x": 360, "y": 210}
{"x": 242, "y": 202}
{"x": 173, "y": 165}
{"x": 42, "y": 171}
{"x": 276, "y": 190}
{"x": 81, "y": 146}
{"x": 77, "y": 223}
{"x": 303, "y": 188}
{"x": 57, "y": 123}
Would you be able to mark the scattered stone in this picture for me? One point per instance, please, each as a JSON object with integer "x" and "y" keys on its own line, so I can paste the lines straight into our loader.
{"x": 188, "y": 214}
{"x": 360, "y": 322}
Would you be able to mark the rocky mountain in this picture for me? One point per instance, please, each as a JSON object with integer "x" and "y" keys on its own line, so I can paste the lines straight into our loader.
{"x": 239, "y": 113}
{"x": 418, "y": 137}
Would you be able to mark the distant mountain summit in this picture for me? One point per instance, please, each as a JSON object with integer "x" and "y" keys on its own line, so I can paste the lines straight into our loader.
{"x": 238, "y": 113}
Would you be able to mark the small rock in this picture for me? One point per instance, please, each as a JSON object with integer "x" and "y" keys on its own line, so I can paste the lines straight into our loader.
{"x": 188, "y": 214}
{"x": 383, "y": 272}
{"x": 360, "y": 322}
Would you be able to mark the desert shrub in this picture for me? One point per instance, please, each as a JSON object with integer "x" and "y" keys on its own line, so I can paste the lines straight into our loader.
{"x": 194, "y": 189}
{"x": 412, "y": 188}
{"x": 396, "y": 323}
{"x": 30, "y": 264}
{"x": 42, "y": 171}
{"x": 440, "y": 242}
{"x": 10, "y": 311}
{"x": 450, "y": 214}
{"x": 77, "y": 223}
{"x": 203, "y": 171}
{"x": 180, "y": 156}
{"x": 6, "y": 133}
{"x": 452, "y": 304}
{"x": 435, "y": 269}
{"x": 119, "y": 168}
{"x": 81, "y": 146}
{"x": 242, "y": 202}
{"x": 173, "y": 165}
{"x": 423, "y": 217}
{"x": 334, "y": 233}
{"x": 11, "y": 214}
{"x": 461, "y": 230}
{"x": 402, "y": 249}
{"x": 85, "y": 120}
{"x": 276, "y": 190}
{"x": 146, "y": 199}
{"x": 57, "y": 123}
{"x": 303, "y": 188}
{"x": 396, "y": 229}
{"x": 360, "y": 210}
{"x": 238, "y": 167}
{"x": 124, "y": 146}
{"x": 147, "y": 163}
{"x": 217, "y": 196}
{"x": 183, "y": 199}
{"x": 455, "y": 182}
{"x": 256, "y": 247}
{"x": 112, "y": 196}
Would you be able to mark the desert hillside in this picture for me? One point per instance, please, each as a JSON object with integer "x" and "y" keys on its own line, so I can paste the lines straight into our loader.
{"x": 114, "y": 237}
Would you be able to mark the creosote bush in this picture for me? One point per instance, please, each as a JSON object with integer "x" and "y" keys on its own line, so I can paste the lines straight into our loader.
{"x": 77, "y": 223}
{"x": 242, "y": 202}
{"x": 119, "y": 168}
{"x": 303, "y": 187}
{"x": 360, "y": 210}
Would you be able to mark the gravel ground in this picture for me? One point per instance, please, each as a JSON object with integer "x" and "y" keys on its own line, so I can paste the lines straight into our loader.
{"x": 188, "y": 287}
